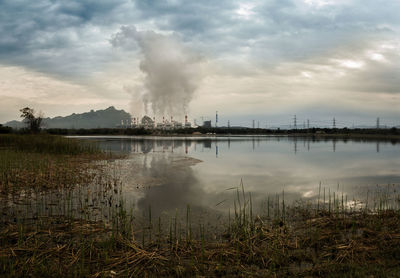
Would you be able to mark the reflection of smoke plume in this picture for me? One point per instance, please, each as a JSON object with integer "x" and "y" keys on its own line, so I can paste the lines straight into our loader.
{"x": 179, "y": 186}
{"x": 172, "y": 71}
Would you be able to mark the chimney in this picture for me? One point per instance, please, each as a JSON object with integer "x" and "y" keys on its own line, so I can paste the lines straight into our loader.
{"x": 185, "y": 119}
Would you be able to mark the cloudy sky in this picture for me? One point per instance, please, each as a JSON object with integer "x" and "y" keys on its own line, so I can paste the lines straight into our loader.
{"x": 265, "y": 59}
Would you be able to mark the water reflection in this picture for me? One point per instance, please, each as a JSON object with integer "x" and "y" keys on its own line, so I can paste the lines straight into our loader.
{"x": 171, "y": 183}
{"x": 190, "y": 144}
{"x": 166, "y": 173}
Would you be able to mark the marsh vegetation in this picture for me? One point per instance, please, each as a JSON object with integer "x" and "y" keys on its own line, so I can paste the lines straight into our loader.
{"x": 63, "y": 213}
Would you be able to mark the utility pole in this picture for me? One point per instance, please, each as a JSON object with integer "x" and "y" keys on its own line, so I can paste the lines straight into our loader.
{"x": 308, "y": 124}
{"x": 216, "y": 118}
{"x": 334, "y": 122}
{"x": 377, "y": 123}
{"x": 229, "y": 124}
{"x": 295, "y": 122}
{"x": 253, "y": 124}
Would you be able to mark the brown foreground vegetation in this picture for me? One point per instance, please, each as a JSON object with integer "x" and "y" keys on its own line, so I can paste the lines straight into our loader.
{"x": 60, "y": 236}
{"x": 325, "y": 245}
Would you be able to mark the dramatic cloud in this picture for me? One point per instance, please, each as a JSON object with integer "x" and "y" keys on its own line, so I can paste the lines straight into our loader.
{"x": 265, "y": 59}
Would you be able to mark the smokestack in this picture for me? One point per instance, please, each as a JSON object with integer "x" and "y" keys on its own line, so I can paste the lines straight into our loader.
{"x": 163, "y": 120}
{"x": 185, "y": 119}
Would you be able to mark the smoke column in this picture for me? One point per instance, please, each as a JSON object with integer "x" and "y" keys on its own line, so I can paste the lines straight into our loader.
{"x": 172, "y": 72}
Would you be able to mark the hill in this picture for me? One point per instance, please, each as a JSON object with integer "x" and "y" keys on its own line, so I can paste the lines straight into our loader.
{"x": 107, "y": 118}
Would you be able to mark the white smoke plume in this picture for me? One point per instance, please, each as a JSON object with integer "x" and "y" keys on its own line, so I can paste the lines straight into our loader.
{"x": 172, "y": 72}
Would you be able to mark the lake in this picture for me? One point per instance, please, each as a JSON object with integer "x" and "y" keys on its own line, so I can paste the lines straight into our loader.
{"x": 168, "y": 173}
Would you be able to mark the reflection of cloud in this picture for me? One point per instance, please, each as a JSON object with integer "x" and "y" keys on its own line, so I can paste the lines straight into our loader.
{"x": 268, "y": 170}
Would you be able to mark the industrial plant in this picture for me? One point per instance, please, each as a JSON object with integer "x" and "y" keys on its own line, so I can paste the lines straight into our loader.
{"x": 150, "y": 123}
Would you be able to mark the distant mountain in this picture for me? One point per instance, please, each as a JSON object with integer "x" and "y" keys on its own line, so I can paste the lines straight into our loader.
{"x": 108, "y": 118}
{"x": 15, "y": 124}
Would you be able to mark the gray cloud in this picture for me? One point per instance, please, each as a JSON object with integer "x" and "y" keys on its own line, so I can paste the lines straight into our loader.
{"x": 44, "y": 34}
{"x": 57, "y": 37}
{"x": 276, "y": 39}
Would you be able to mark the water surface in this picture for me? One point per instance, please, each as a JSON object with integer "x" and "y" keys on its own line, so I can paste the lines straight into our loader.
{"x": 172, "y": 172}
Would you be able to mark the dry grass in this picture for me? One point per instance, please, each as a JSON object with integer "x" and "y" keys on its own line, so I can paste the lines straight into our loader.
{"x": 45, "y": 162}
{"x": 61, "y": 236}
{"x": 323, "y": 246}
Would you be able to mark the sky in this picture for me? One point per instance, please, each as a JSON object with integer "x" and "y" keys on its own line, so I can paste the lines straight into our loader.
{"x": 262, "y": 60}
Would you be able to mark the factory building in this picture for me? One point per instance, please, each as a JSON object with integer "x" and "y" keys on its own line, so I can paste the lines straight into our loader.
{"x": 207, "y": 124}
{"x": 149, "y": 123}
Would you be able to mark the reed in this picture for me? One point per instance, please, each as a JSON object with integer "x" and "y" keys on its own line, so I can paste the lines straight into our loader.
{"x": 88, "y": 230}
{"x": 44, "y": 162}
{"x": 71, "y": 246}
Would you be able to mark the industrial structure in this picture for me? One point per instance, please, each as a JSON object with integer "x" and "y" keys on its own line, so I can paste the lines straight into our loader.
{"x": 207, "y": 124}
{"x": 296, "y": 123}
{"x": 148, "y": 123}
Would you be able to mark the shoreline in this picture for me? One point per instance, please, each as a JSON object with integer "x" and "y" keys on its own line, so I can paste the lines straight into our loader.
{"x": 348, "y": 136}
{"x": 88, "y": 230}
{"x": 341, "y": 136}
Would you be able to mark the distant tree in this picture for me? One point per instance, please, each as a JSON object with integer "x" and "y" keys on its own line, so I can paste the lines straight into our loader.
{"x": 5, "y": 129}
{"x": 33, "y": 122}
